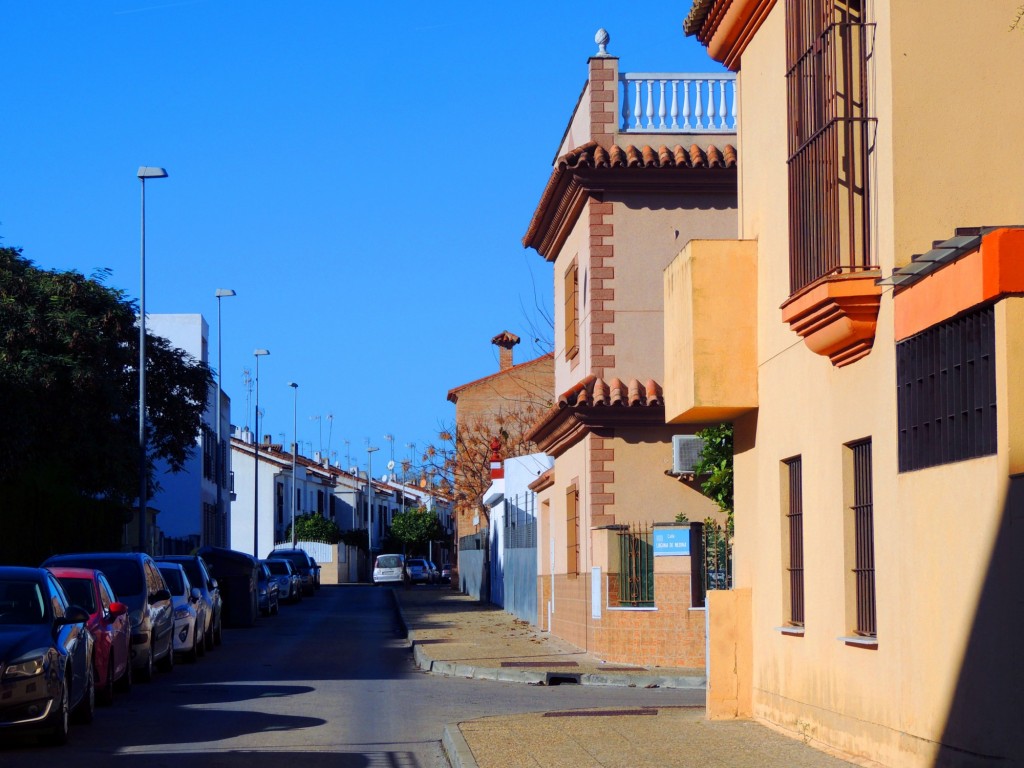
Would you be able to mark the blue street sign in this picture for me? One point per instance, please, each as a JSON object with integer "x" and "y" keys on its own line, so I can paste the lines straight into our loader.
{"x": 671, "y": 541}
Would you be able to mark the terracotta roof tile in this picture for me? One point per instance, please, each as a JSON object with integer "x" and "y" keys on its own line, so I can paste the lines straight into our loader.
{"x": 593, "y": 391}
{"x": 593, "y": 155}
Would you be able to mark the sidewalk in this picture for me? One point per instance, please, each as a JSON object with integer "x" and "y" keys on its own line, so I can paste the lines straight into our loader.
{"x": 453, "y": 634}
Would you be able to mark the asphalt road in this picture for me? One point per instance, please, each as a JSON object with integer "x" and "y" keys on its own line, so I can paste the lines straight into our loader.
{"x": 329, "y": 682}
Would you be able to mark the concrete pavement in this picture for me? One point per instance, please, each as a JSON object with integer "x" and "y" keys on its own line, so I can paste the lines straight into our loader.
{"x": 453, "y": 634}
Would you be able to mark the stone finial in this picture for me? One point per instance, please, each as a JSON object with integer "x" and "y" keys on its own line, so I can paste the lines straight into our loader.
{"x": 602, "y": 38}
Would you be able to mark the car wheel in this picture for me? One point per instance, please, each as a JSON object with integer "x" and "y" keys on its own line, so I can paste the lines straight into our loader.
{"x": 218, "y": 636}
{"x": 105, "y": 692}
{"x": 166, "y": 664}
{"x": 124, "y": 683}
{"x": 86, "y": 709}
{"x": 208, "y": 637}
{"x": 60, "y": 720}
{"x": 201, "y": 644}
{"x": 192, "y": 654}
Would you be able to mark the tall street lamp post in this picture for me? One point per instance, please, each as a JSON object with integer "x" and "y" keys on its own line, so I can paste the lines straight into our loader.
{"x": 369, "y": 493}
{"x": 257, "y": 353}
{"x": 220, "y": 532}
{"x": 145, "y": 172}
{"x": 295, "y": 450}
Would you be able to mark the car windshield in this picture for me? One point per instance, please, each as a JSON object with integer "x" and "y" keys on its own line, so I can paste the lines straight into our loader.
{"x": 418, "y": 563}
{"x": 278, "y": 567}
{"x": 191, "y": 570}
{"x": 174, "y": 581}
{"x": 389, "y": 561}
{"x": 80, "y": 592}
{"x": 124, "y": 574}
{"x": 21, "y": 602}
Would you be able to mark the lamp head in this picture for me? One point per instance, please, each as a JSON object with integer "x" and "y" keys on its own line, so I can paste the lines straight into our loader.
{"x": 151, "y": 172}
{"x": 224, "y": 292}
{"x": 293, "y": 385}
{"x": 261, "y": 352}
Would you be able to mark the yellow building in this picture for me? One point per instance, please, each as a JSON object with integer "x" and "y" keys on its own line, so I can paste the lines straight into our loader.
{"x": 872, "y": 370}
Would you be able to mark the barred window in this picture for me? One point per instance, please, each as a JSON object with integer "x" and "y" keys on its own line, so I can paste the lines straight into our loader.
{"x": 946, "y": 392}
{"x": 826, "y": 84}
{"x": 793, "y": 531}
{"x": 863, "y": 514}
{"x": 636, "y": 567}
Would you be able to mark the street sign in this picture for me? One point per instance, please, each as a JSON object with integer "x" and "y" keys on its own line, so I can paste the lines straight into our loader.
{"x": 671, "y": 541}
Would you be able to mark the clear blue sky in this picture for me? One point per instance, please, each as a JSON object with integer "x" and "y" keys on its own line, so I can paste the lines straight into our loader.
{"x": 360, "y": 173}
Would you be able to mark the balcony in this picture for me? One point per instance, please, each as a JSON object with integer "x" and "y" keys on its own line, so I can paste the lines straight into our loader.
{"x": 658, "y": 102}
{"x": 711, "y": 332}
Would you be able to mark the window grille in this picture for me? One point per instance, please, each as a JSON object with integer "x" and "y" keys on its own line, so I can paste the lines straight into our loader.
{"x": 795, "y": 521}
{"x": 826, "y": 83}
{"x": 864, "y": 533}
{"x": 636, "y": 567}
{"x": 946, "y": 392}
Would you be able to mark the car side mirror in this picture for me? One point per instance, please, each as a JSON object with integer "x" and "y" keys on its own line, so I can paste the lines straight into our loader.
{"x": 197, "y": 594}
{"x": 73, "y": 615}
{"x": 159, "y": 595}
{"x": 213, "y": 584}
{"x": 118, "y": 609}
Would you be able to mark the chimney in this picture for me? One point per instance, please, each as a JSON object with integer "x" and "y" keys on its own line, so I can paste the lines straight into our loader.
{"x": 497, "y": 470}
{"x": 505, "y": 341}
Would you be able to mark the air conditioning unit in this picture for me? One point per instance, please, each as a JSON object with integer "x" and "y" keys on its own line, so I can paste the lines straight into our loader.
{"x": 685, "y": 453}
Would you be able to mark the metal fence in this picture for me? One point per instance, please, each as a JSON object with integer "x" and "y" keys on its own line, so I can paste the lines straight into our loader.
{"x": 520, "y": 521}
{"x": 711, "y": 549}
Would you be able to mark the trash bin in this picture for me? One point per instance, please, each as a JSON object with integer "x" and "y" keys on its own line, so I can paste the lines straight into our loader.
{"x": 237, "y": 576}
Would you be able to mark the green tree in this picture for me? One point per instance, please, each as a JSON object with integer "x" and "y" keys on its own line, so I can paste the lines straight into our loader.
{"x": 415, "y": 527}
{"x": 313, "y": 527}
{"x": 69, "y": 395}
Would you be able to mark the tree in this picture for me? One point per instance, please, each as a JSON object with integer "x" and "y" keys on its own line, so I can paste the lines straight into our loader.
{"x": 415, "y": 527}
{"x": 314, "y": 527}
{"x": 69, "y": 388}
{"x": 714, "y": 465}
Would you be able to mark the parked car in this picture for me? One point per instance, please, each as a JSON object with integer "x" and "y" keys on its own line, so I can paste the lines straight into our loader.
{"x": 189, "y": 612}
{"x": 138, "y": 584}
{"x": 418, "y": 570}
{"x": 435, "y": 572}
{"x": 46, "y": 655}
{"x": 446, "y": 573}
{"x": 389, "y": 569}
{"x": 289, "y": 583}
{"x": 236, "y": 574}
{"x": 269, "y": 592}
{"x": 303, "y": 565}
{"x": 109, "y": 625}
{"x": 199, "y": 575}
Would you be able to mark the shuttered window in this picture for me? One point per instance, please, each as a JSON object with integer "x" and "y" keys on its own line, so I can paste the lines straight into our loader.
{"x": 572, "y": 531}
{"x": 571, "y": 293}
{"x": 794, "y": 529}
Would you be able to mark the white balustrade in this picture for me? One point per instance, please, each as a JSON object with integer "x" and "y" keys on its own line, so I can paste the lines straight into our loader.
{"x": 648, "y": 98}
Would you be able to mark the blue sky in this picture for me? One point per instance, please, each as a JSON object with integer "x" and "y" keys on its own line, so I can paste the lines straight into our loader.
{"x": 360, "y": 173}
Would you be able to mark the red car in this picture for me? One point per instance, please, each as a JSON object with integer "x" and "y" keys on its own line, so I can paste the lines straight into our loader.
{"x": 108, "y": 624}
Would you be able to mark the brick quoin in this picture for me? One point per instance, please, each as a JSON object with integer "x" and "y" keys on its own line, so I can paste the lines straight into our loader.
{"x": 600, "y": 207}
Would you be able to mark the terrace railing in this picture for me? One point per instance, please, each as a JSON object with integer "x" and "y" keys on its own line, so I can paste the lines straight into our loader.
{"x": 658, "y": 102}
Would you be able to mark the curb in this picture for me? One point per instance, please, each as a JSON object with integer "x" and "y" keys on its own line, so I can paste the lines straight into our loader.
{"x": 456, "y": 749}
{"x": 451, "y": 669}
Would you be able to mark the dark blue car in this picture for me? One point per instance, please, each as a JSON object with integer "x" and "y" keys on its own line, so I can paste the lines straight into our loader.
{"x": 45, "y": 656}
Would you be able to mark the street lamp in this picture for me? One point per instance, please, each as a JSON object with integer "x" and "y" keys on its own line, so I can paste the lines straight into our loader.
{"x": 257, "y": 353}
{"x": 369, "y": 486}
{"x": 221, "y": 529}
{"x": 145, "y": 172}
{"x": 295, "y": 450}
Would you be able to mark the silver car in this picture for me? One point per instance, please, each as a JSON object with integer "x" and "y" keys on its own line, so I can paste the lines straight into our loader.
{"x": 289, "y": 583}
{"x": 389, "y": 569}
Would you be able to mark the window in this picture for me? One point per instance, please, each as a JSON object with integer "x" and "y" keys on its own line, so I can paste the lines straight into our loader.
{"x": 826, "y": 84}
{"x": 636, "y": 568}
{"x": 946, "y": 392}
{"x": 860, "y": 528}
{"x": 572, "y": 323}
{"x": 572, "y": 531}
{"x": 279, "y": 502}
{"x": 793, "y": 538}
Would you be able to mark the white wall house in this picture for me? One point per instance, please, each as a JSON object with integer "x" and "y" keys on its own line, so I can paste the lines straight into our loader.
{"x": 187, "y": 501}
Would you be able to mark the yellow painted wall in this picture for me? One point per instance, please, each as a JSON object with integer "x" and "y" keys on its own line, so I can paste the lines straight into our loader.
{"x": 945, "y": 91}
